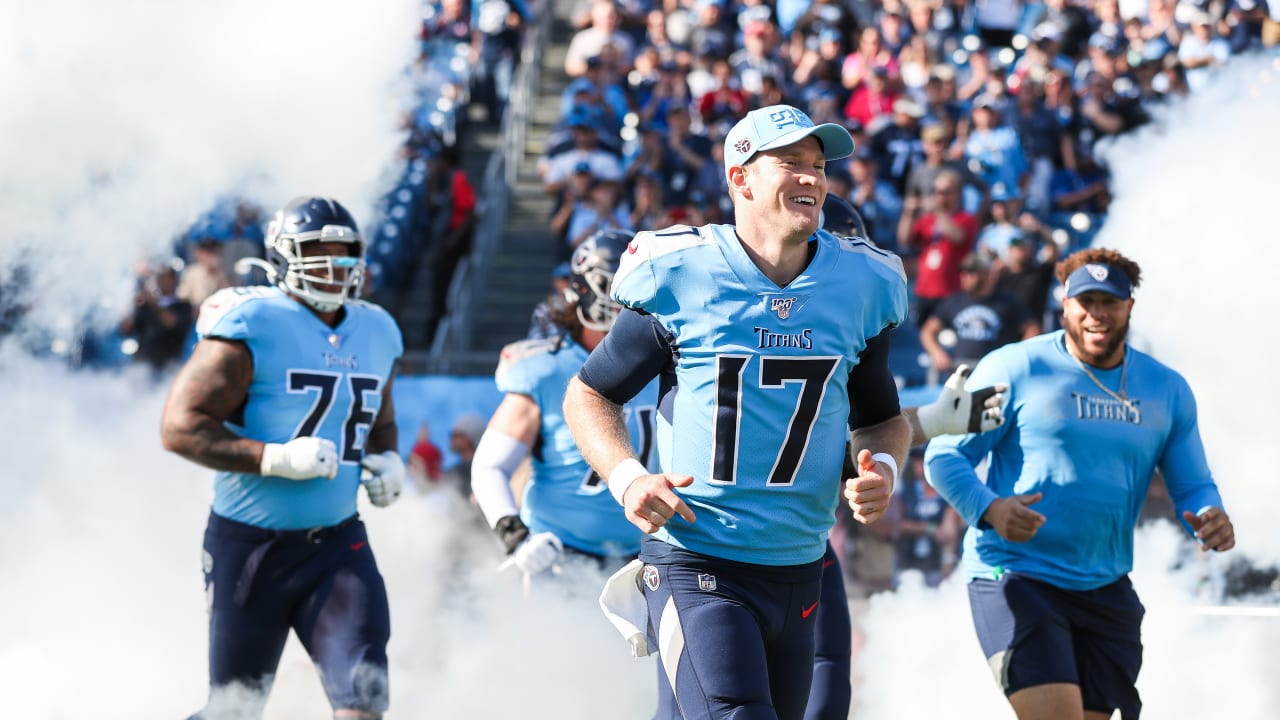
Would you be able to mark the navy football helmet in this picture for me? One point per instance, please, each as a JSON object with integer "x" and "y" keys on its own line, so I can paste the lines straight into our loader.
{"x": 313, "y": 278}
{"x": 591, "y": 273}
{"x": 840, "y": 217}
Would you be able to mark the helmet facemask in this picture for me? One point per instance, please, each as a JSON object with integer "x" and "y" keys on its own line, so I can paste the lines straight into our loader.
{"x": 323, "y": 282}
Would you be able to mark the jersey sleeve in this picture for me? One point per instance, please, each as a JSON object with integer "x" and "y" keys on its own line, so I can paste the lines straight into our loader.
{"x": 636, "y": 350}
{"x": 636, "y": 284}
{"x": 1183, "y": 463}
{"x": 950, "y": 460}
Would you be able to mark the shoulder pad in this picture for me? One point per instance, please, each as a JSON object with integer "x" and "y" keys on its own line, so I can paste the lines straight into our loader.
{"x": 225, "y": 301}
{"x": 522, "y": 350}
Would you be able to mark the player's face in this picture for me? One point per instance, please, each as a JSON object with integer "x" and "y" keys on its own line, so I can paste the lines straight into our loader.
{"x": 1097, "y": 324}
{"x": 788, "y": 187}
{"x": 328, "y": 249}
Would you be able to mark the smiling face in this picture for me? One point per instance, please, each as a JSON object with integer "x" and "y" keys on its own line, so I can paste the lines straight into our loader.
{"x": 1097, "y": 323}
{"x": 784, "y": 189}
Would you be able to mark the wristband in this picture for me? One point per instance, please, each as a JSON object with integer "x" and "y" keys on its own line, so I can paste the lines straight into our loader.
{"x": 887, "y": 459}
{"x": 625, "y": 473}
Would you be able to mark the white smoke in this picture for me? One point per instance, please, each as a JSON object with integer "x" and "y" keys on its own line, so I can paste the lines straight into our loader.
{"x": 1194, "y": 198}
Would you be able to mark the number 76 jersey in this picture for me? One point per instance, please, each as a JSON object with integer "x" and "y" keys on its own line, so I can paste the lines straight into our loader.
{"x": 308, "y": 380}
{"x": 760, "y": 412}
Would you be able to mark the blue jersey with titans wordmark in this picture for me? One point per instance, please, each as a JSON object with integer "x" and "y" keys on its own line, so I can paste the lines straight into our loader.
{"x": 564, "y": 496}
{"x": 308, "y": 380}
{"x": 761, "y": 412}
{"x": 1091, "y": 455}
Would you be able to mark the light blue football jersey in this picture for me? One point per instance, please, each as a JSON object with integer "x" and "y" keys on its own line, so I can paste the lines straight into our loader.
{"x": 564, "y": 496}
{"x": 1091, "y": 456}
{"x": 308, "y": 380}
{"x": 760, "y": 414}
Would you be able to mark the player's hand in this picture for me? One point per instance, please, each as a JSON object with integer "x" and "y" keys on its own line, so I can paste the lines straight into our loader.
{"x": 869, "y": 493}
{"x": 537, "y": 553}
{"x": 301, "y": 458}
{"x": 958, "y": 411}
{"x": 1012, "y": 517}
{"x": 382, "y": 475}
{"x": 1213, "y": 529}
{"x": 651, "y": 501}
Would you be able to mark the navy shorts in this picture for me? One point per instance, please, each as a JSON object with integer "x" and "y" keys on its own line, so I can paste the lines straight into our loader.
{"x": 735, "y": 640}
{"x": 1034, "y": 633}
{"x": 323, "y": 584}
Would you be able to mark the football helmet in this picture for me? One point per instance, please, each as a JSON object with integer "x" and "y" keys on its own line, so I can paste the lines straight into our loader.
{"x": 591, "y": 272}
{"x": 840, "y": 217}
{"x": 322, "y": 281}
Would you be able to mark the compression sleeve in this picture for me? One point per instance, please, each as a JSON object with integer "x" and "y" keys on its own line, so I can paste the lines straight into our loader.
{"x": 873, "y": 393}
{"x": 634, "y": 352}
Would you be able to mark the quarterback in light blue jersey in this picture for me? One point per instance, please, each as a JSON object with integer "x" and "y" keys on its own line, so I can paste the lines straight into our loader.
{"x": 1050, "y": 544}
{"x": 770, "y": 339}
{"x": 565, "y": 504}
{"x": 287, "y": 396}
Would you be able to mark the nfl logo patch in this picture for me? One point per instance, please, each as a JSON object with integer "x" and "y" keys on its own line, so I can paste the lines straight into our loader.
{"x": 743, "y": 145}
{"x": 651, "y": 577}
{"x": 782, "y": 306}
{"x": 1099, "y": 272}
{"x": 707, "y": 583}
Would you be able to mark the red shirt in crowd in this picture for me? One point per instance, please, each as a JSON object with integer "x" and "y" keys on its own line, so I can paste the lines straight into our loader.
{"x": 938, "y": 270}
{"x": 464, "y": 199}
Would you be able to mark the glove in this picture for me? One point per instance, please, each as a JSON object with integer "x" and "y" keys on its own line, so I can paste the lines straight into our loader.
{"x": 301, "y": 458}
{"x": 958, "y": 411}
{"x": 382, "y": 475}
{"x": 538, "y": 553}
{"x": 532, "y": 553}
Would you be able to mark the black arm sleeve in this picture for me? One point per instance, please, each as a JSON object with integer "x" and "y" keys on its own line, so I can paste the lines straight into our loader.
{"x": 873, "y": 393}
{"x": 636, "y": 350}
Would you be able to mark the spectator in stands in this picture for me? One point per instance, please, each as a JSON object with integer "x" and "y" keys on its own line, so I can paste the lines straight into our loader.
{"x": 876, "y": 200}
{"x": 425, "y": 460}
{"x": 671, "y": 90}
{"x": 994, "y": 237}
{"x": 449, "y": 21}
{"x": 939, "y": 98}
{"x": 463, "y": 439}
{"x": 497, "y": 28}
{"x": 205, "y": 275}
{"x": 928, "y": 534}
{"x": 938, "y": 240}
{"x": 600, "y": 209}
{"x": 869, "y": 55}
{"x": 713, "y": 33}
{"x": 455, "y": 197}
{"x": 1027, "y": 276}
{"x": 727, "y": 102}
{"x": 997, "y": 20}
{"x": 1201, "y": 51}
{"x": 936, "y": 142}
{"x": 690, "y": 151}
{"x": 894, "y": 29}
{"x": 557, "y": 167}
{"x": 897, "y": 144}
{"x": 980, "y": 318}
{"x": 1042, "y": 141}
{"x": 872, "y": 100}
{"x": 1083, "y": 189}
{"x": 994, "y": 148}
{"x": 597, "y": 90}
{"x": 975, "y": 75}
{"x": 758, "y": 58}
{"x": 592, "y": 41}
{"x": 160, "y": 321}
{"x": 920, "y": 20}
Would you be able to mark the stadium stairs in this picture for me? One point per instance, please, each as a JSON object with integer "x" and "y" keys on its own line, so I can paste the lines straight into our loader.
{"x": 509, "y": 271}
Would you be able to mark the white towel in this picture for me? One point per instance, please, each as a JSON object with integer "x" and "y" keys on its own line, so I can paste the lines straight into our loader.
{"x": 623, "y": 603}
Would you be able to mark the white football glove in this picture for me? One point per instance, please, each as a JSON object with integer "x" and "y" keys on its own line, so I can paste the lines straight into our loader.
{"x": 383, "y": 477}
{"x": 958, "y": 411}
{"x": 300, "y": 459}
{"x": 538, "y": 553}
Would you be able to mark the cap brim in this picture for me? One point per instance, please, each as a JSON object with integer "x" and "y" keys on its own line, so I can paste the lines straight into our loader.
{"x": 1106, "y": 287}
{"x": 837, "y": 143}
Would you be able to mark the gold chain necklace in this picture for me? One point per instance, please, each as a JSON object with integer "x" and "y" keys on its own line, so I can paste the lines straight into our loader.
{"x": 1119, "y": 397}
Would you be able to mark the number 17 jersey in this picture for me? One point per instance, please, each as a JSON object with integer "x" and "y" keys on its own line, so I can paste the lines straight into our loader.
{"x": 760, "y": 413}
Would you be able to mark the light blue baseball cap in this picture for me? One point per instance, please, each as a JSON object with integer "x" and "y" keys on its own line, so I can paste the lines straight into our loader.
{"x": 778, "y": 126}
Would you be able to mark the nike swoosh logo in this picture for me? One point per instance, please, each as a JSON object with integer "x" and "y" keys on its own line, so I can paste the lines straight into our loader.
{"x": 828, "y": 564}
{"x": 806, "y": 612}
{"x": 357, "y": 546}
